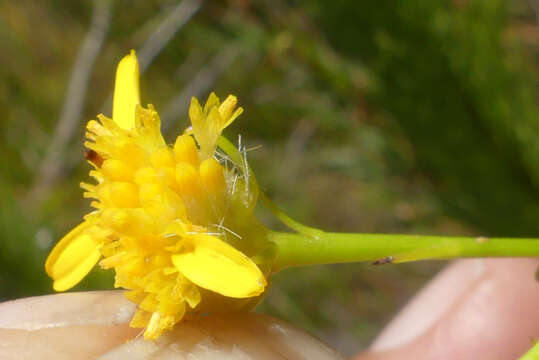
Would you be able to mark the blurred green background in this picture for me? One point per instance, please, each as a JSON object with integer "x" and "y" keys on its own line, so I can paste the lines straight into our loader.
{"x": 414, "y": 116}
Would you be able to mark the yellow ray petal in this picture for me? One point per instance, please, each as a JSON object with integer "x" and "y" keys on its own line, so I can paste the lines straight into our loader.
{"x": 226, "y": 109}
{"x": 196, "y": 115}
{"x": 212, "y": 102}
{"x": 126, "y": 92}
{"x": 72, "y": 258}
{"x": 233, "y": 117}
{"x": 215, "y": 265}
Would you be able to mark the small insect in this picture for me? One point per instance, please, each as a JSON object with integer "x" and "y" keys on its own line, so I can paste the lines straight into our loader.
{"x": 93, "y": 157}
{"x": 383, "y": 261}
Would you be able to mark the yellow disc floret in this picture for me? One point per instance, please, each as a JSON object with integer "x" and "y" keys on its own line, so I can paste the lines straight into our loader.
{"x": 174, "y": 222}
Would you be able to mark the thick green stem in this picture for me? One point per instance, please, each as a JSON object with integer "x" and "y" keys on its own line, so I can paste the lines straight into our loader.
{"x": 532, "y": 354}
{"x": 326, "y": 248}
{"x": 311, "y": 246}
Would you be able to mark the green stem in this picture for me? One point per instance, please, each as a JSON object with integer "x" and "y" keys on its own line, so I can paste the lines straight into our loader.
{"x": 532, "y": 354}
{"x": 327, "y": 248}
{"x": 311, "y": 246}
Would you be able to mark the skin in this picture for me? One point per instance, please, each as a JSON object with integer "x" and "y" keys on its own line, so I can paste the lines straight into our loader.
{"x": 474, "y": 309}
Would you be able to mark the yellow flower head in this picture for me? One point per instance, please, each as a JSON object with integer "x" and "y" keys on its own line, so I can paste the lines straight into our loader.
{"x": 175, "y": 222}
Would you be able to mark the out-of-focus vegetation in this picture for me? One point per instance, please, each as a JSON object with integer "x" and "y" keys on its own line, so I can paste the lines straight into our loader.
{"x": 412, "y": 116}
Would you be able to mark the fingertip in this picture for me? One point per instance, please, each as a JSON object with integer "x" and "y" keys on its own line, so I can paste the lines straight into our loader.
{"x": 494, "y": 315}
{"x": 64, "y": 342}
{"x": 429, "y": 305}
{"x": 79, "y": 325}
{"x": 76, "y": 308}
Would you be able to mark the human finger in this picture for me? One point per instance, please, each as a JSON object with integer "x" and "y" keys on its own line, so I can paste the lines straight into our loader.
{"x": 65, "y": 326}
{"x": 93, "y": 324}
{"x": 475, "y": 309}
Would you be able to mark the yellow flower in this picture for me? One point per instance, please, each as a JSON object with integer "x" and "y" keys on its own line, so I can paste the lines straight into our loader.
{"x": 175, "y": 222}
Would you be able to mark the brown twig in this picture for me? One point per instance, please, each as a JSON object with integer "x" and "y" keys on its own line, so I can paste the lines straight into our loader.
{"x": 160, "y": 37}
{"x": 177, "y": 18}
{"x": 74, "y": 101}
{"x": 51, "y": 166}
